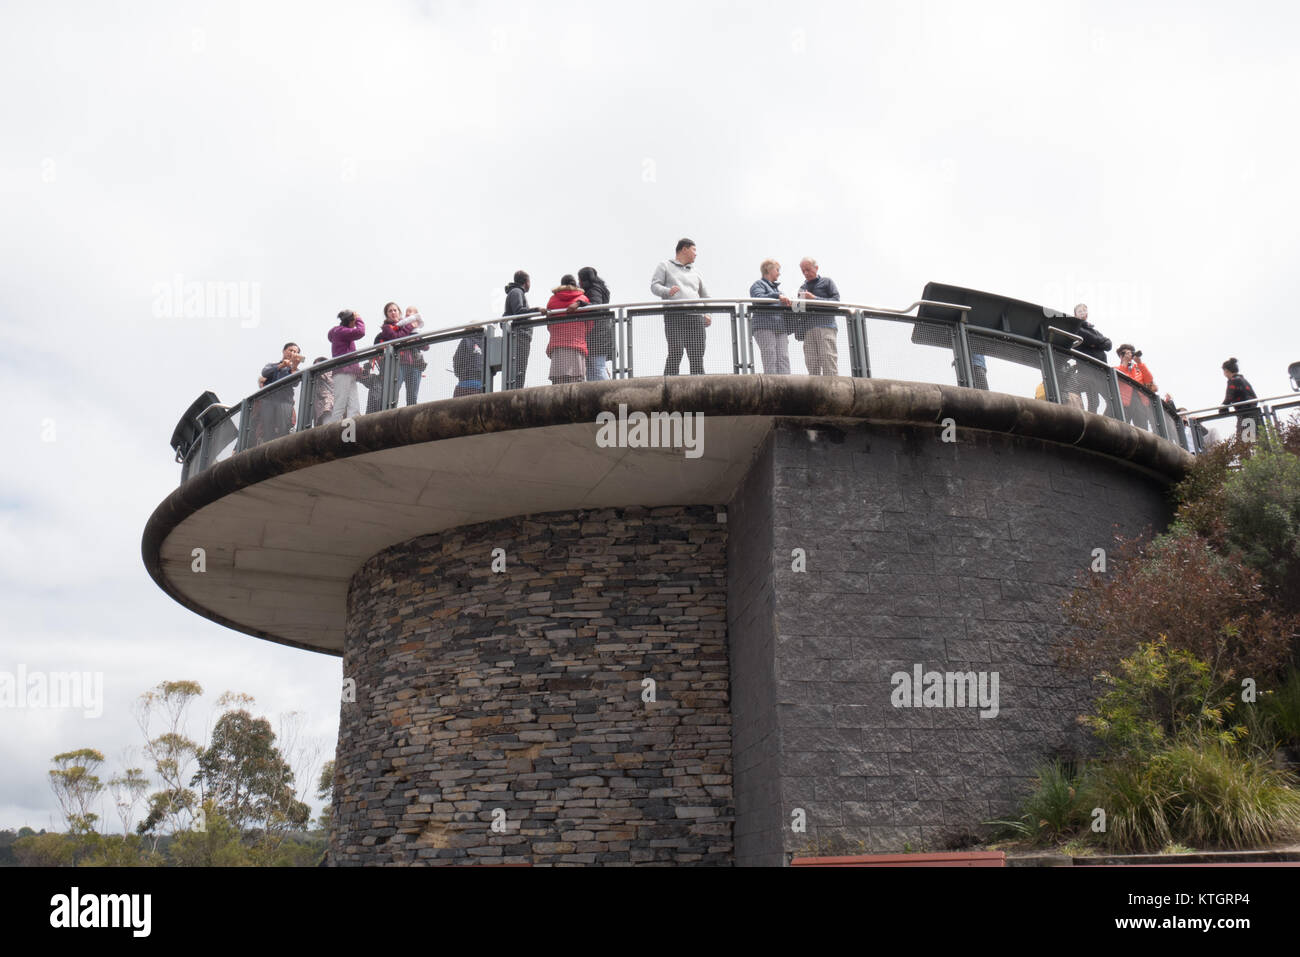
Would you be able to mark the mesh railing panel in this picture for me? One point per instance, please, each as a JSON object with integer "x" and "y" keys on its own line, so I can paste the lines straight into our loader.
{"x": 1002, "y": 364}
{"x": 686, "y": 341}
{"x": 1087, "y": 379}
{"x": 273, "y": 413}
{"x": 1139, "y": 407}
{"x": 893, "y": 353}
{"x": 219, "y": 439}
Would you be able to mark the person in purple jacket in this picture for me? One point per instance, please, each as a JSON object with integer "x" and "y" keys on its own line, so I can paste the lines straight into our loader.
{"x": 343, "y": 340}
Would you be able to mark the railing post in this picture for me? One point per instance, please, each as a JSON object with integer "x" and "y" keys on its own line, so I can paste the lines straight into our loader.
{"x": 631, "y": 358}
{"x": 859, "y": 362}
{"x": 241, "y": 437}
{"x": 620, "y": 338}
{"x": 306, "y": 401}
{"x": 490, "y": 345}
{"x": 204, "y": 447}
{"x": 1158, "y": 413}
{"x": 737, "y": 350}
{"x": 965, "y": 371}
{"x": 1050, "y": 383}
{"x": 1113, "y": 400}
{"x": 387, "y": 369}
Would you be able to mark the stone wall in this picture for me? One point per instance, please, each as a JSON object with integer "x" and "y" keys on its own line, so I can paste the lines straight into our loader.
{"x": 523, "y": 691}
{"x": 751, "y": 626}
{"x": 954, "y": 556}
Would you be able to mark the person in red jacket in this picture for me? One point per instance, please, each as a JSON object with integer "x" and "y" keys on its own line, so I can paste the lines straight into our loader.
{"x": 1137, "y": 404}
{"x": 568, "y": 344}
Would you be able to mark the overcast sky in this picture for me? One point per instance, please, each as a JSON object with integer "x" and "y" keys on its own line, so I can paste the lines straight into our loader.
{"x": 1135, "y": 156}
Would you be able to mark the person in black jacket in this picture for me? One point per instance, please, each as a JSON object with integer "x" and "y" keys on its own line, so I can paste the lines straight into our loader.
{"x": 600, "y": 340}
{"x": 467, "y": 363}
{"x": 521, "y": 338}
{"x": 1094, "y": 346}
{"x": 1241, "y": 394}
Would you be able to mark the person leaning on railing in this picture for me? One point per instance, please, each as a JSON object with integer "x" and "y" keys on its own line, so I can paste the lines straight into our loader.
{"x": 1239, "y": 393}
{"x": 1095, "y": 346}
{"x": 467, "y": 363}
{"x": 770, "y": 328}
{"x": 567, "y": 347}
{"x": 1136, "y": 403}
{"x": 817, "y": 330}
{"x": 676, "y": 278}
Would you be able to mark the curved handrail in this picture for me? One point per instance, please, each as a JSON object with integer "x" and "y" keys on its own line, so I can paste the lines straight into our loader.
{"x": 965, "y": 342}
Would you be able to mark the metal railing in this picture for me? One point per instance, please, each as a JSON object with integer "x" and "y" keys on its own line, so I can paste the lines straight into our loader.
{"x": 702, "y": 336}
{"x": 1264, "y": 412}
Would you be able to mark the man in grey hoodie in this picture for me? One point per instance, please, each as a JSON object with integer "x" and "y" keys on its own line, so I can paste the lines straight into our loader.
{"x": 522, "y": 338}
{"x": 676, "y": 279}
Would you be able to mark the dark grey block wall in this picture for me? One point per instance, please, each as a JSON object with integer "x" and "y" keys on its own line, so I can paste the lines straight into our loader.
{"x": 955, "y": 556}
{"x": 751, "y": 630}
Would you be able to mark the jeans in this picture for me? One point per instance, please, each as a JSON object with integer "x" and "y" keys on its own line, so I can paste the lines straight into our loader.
{"x": 774, "y": 347}
{"x": 684, "y": 333}
{"x": 411, "y": 376}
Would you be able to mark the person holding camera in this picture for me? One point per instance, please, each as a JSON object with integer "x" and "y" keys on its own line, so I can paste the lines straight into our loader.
{"x": 1137, "y": 404}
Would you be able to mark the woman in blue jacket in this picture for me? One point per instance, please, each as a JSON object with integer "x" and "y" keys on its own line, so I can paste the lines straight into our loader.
{"x": 769, "y": 326}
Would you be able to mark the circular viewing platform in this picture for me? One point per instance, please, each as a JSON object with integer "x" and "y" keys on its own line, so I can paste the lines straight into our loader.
{"x": 284, "y": 525}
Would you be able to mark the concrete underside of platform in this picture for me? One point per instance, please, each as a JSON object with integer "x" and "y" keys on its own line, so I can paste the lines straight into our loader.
{"x": 285, "y": 526}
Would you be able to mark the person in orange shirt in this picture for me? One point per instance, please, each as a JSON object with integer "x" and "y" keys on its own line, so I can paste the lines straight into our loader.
{"x": 1137, "y": 404}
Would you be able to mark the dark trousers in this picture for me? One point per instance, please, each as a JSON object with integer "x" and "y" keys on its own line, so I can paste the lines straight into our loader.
{"x": 684, "y": 333}
{"x": 1139, "y": 415}
{"x": 521, "y": 346}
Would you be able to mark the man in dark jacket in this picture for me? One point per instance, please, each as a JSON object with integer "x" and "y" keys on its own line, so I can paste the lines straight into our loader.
{"x": 521, "y": 339}
{"x": 1095, "y": 346}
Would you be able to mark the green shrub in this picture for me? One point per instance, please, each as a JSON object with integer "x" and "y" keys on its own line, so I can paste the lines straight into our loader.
{"x": 1159, "y": 694}
{"x": 1199, "y": 792}
{"x": 1281, "y": 708}
{"x": 1262, "y": 512}
{"x": 1052, "y": 810}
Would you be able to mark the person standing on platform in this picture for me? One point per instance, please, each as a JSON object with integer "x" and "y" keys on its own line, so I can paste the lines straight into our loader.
{"x": 275, "y": 412}
{"x": 343, "y": 340}
{"x": 818, "y": 331}
{"x": 568, "y": 340}
{"x": 1239, "y": 394}
{"x": 521, "y": 338}
{"x": 600, "y": 340}
{"x": 1137, "y": 404}
{"x": 1094, "y": 346}
{"x": 770, "y": 327}
{"x": 676, "y": 278}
